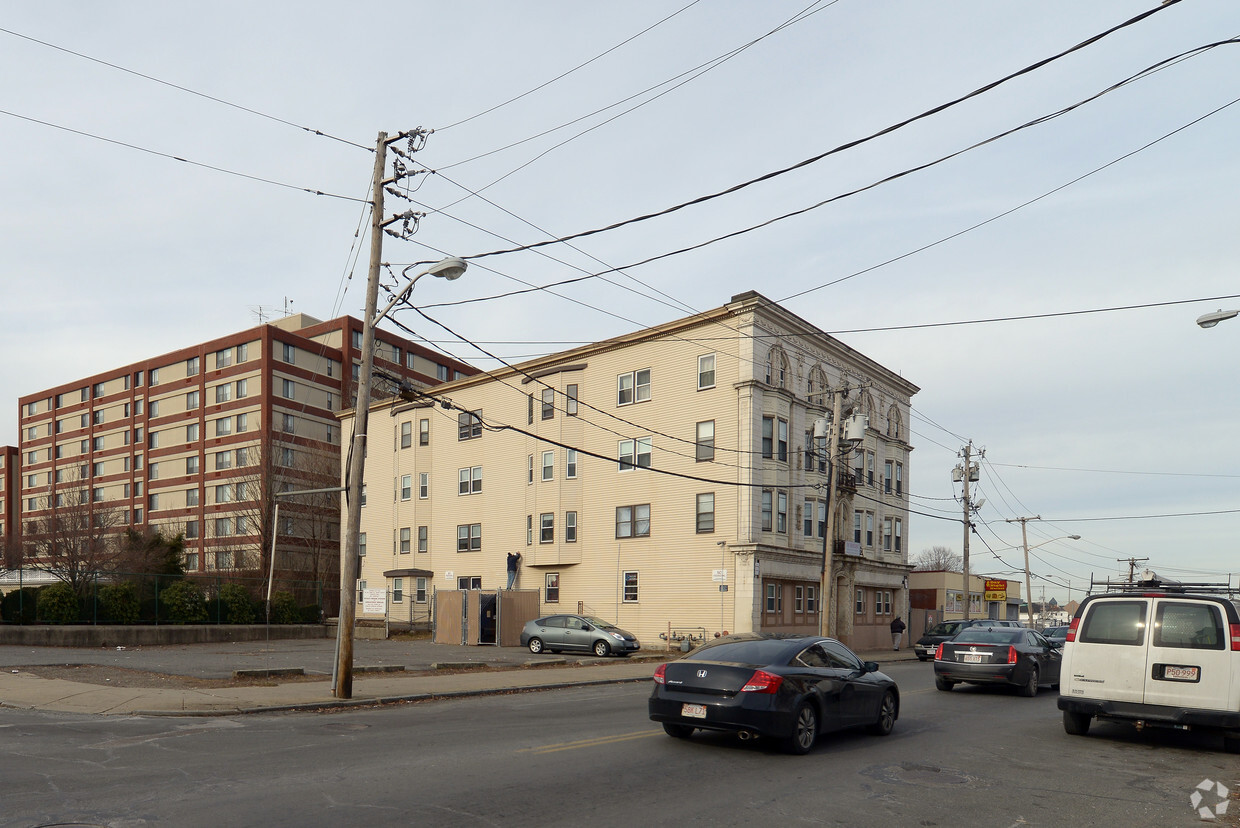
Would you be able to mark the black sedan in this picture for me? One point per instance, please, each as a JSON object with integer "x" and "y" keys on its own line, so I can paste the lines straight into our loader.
{"x": 784, "y": 687}
{"x": 998, "y": 655}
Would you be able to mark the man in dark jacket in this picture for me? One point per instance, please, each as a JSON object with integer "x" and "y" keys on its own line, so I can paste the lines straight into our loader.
{"x": 897, "y": 633}
{"x": 514, "y": 560}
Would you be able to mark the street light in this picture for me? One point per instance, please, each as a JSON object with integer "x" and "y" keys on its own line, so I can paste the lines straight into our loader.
{"x": 1209, "y": 320}
{"x": 1024, "y": 539}
{"x": 450, "y": 268}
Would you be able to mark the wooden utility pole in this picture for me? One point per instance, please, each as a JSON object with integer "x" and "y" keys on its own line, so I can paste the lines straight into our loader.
{"x": 1024, "y": 540}
{"x": 968, "y": 471}
{"x": 826, "y": 612}
{"x": 342, "y": 680}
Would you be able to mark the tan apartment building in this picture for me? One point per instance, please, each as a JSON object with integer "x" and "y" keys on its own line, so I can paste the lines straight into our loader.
{"x": 668, "y": 480}
{"x": 199, "y": 440}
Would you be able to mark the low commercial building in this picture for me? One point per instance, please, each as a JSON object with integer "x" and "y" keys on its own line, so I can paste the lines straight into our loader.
{"x": 938, "y": 595}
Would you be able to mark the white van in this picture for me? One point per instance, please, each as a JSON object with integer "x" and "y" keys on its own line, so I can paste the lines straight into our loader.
{"x": 1155, "y": 656}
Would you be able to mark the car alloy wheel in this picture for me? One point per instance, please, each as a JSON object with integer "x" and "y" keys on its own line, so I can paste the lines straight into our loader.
{"x": 536, "y": 645}
{"x": 886, "y": 715}
{"x": 601, "y": 649}
{"x": 1030, "y": 687}
{"x": 804, "y": 730}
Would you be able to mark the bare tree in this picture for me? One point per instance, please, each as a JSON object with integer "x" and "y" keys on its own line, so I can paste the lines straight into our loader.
{"x": 938, "y": 558}
{"x": 76, "y": 536}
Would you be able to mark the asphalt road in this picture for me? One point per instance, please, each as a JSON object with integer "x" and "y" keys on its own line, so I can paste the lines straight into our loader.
{"x": 590, "y": 756}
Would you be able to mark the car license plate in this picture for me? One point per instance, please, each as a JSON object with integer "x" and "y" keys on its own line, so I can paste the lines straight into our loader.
{"x": 1177, "y": 673}
{"x": 972, "y": 658}
{"x": 693, "y": 711}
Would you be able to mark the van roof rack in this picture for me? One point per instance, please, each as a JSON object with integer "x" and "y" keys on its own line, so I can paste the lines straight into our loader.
{"x": 1151, "y": 581}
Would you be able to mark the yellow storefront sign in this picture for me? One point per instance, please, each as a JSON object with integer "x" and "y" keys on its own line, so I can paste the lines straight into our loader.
{"x": 996, "y": 590}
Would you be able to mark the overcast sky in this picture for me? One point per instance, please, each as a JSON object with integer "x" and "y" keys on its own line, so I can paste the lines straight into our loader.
{"x": 1117, "y": 426}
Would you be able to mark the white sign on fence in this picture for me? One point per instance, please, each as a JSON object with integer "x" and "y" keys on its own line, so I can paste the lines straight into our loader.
{"x": 374, "y": 601}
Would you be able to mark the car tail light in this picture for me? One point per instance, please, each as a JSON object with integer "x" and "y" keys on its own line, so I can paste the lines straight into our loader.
{"x": 938, "y": 653}
{"x": 762, "y": 682}
{"x": 1011, "y": 655}
{"x": 660, "y": 674}
{"x": 1235, "y": 637}
{"x": 1076, "y": 622}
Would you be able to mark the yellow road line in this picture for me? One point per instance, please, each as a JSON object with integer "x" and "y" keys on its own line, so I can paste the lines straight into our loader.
{"x": 584, "y": 743}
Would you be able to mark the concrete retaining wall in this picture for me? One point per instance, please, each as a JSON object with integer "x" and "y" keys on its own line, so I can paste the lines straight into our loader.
{"x": 118, "y": 636}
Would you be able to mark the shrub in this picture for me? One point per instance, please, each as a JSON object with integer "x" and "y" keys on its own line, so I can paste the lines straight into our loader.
{"x": 59, "y": 604}
{"x": 19, "y": 605}
{"x": 184, "y": 603}
{"x": 284, "y": 609}
{"x": 238, "y": 607}
{"x": 119, "y": 603}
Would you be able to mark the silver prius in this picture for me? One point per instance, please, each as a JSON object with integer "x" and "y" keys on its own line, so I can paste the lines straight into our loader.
{"x": 578, "y": 633}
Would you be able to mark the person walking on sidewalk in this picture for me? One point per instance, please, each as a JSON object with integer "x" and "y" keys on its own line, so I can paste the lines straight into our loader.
{"x": 514, "y": 560}
{"x": 897, "y": 633}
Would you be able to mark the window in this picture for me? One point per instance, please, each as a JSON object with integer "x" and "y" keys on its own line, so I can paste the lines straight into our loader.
{"x": 530, "y": 469}
{"x": 529, "y": 410}
{"x": 288, "y": 353}
{"x": 869, "y": 468}
{"x": 223, "y": 460}
{"x": 243, "y": 389}
{"x": 706, "y": 371}
{"x": 1189, "y": 626}
{"x": 404, "y": 540}
{"x": 97, "y": 417}
{"x": 798, "y": 599}
{"x": 706, "y": 512}
{"x": 288, "y": 389}
{"x": 633, "y": 521}
{"x": 223, "y": 358}
{"x": 529, "y": 530}
{"x": 869, "y": 528}
{"x": 777, "y": 368}
{"x": 633, "y": 387}
{"x": 288, "y": 423}
{"x": 469, "y": 537}
{"x": 705, "y": 441}
{"x": 469, "y": 582}
{"x": 191, "y": 399}
{"x": 782, "y": 444}
{"x": 361, "y": 544}
{"x": 154, "y": 378}
{"x": 635, "y": 453}
{"x": 406, "y": 434}
{"x": 243, "y": 423}
{"x": 570, "y": 463}
{"x": 469, "y": 481}
{"x": 224, "y": 493}
{"x": 152, "y": 438}
{"x": 886, "y": 534}
{"x": 223, "y": 527}
{"x": 469, "y": 425}
{"x": 441, "y": 373}
{"x": 630, "y": 587}
{"x": 811, "y": 599}
{"x": 223, "y": 393}
{"x": 570, "y": 527}
{"x": 548, "y": 465}
{"x": 899, "y": 542}
{"x": 768, "y": 510}
{"x": 546, "y": 527}
{"x": 406, "y": 486}
{"x": 774, "y": 598}
{"x": 886, "y": 603}
{"x": 860, "y": 602}
{"x": 223, "y": 426}
{"x": 570, "y": 400}
{"x": 423, "y": 538}
{"x": 153, "y": 411}
{"x": 878, "y": 602}
{"x": 899, "y": 478}
{"x": 361, "y": 590}
{"x": 553, "y": 588}
{"x": 424, "y": 432}
{"x": 781, "y": 512}
{"x": 768, "y": 437}
{"x": 887, "y": 476}
{"x": 191, "y": 497}
{"x": 243, "y": 352}
{"x": 548, "y": 403}
{"x": 152, "y": 472}
{"x": 424, "y": 485}
{"x": 191, "y": 433}
{"x": 398, "y": 590}
{"x": 420, "y": 591}
{"x": 191, "y": 529}
{"x": 807, "y": 518}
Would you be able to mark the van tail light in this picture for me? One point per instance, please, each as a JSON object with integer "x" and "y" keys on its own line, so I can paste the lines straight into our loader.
{"x": 762, "y": 682}
{"x": 660, "y": 674}
{"x": 938, "y": 653}
{"x": 1072, "y": 629}
{"x": 1235, "y": 638}
{"x": 1011, "y": 655}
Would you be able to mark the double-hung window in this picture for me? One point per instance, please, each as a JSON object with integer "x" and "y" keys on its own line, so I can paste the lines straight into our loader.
{"x": 546, "y": 527}
{"x": 469, "y": 425}
{"x": 706, "y": 512}
{"x": 633, "y": 521}
{"x": 469, "y": 481}
{"x": 406, "y": 486}
{"x": 548, "y": 465}
{"x": 633, "y": 387}
{"x": 635, "y": 453}
{"x": 548, "y": 403}
{"x": 705, "y": 439}
{"x": 469, "y": 537}
{"x": 706, "y": 371}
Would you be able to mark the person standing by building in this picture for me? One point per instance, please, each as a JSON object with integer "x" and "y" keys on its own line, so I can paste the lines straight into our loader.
{"x": 514, "y": 561}
{"x": 897, "y": 633}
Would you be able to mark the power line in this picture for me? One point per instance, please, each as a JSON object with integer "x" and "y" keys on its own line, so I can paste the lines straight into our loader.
{"x": 183, "y": 89}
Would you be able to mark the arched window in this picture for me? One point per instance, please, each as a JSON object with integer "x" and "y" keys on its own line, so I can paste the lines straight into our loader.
{"x": 894, "y": 426}
{"x": 818, "y": 390}
{"x": 777, "y": 367}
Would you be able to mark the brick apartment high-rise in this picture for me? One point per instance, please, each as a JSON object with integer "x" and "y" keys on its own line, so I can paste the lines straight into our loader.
{"x": 199, "y": 440}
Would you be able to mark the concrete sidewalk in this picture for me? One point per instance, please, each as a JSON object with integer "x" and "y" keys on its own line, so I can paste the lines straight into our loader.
{"x": 23, "y": 690}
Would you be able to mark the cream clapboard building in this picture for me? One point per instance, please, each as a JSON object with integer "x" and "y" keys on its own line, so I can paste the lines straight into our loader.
{"x": 665, "y": 480}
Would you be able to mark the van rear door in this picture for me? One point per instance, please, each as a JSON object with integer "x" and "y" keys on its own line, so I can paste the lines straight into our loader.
{"x": 1189, "y": 659}
{"x": 1107, "y": 660}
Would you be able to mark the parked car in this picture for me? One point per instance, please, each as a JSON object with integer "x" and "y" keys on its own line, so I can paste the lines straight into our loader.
{"x": 789, "y": 688}
{"x": 1056, "y": 635}
{"x": 998, "y": 655}
{"x": 1156, "y": 656}
{"x": 578, "y": 632}
{"x": 928, "y": 644}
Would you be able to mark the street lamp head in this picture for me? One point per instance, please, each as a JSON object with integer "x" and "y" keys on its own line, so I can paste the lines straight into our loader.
{"x": 1209, "y": 320}
{"x": 1074, "y": 537}
{"x": 450, "y": 268}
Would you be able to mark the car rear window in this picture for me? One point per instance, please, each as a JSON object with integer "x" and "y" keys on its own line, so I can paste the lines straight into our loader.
{"x": 1114, "y": 622}
{"x": 1191, "y": 626}
{"x": 553, "y": 621}
{"x": 944, "y": 629}
{"x": 742, "y": 652}
{"x": 982, "y": 635}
